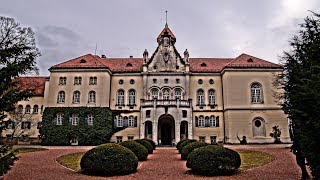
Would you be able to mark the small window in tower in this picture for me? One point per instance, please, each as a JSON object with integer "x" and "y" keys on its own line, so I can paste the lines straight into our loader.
{"x": 129, "y": 65}
{"x": 83, "y": 61}
{"x": 250, "y": 60}
{"x": 184, "y": 113}
{"x": 148, "y": 112}
{"x": 203, "y": 64}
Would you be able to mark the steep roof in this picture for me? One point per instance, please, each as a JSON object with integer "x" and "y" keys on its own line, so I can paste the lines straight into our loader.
{"x": 166, "y": 32}
{"x": 123, "y": 64}
{"x": 247, "y": 61}
{"x": 208, "y": 64}
{"x": 82, "y": 62}
{"x": 36, "y": 84}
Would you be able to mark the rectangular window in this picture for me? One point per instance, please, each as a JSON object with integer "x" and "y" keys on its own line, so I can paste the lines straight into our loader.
{"x": 90, "y": 120}
{"x": 213, "y": 139}
{"x": 119, "y": 139}
{"x": 130, "y": 138}
{"x": 184, "y": 113}
{"x": 148, "y": 112}
{"x": 62, "y": 80}
{"x": 25, "y": 125}
{"x": 59, "y": 118}
{"x": 77, "y": 80}
{"x": 74, "y": 119}
{"x": 119, "y": 121}
{"x": 35, "y": 109}
{"x": 202, "y": 138}
{"x": 93, "y": 81}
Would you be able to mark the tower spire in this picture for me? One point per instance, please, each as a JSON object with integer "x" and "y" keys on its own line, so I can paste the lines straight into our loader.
{"x": 166, "y": 26}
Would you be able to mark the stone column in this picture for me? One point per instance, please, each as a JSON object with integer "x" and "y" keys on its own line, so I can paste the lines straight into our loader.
{"x": 155, "y": 132}
{"x": 187, "y": 96}
{"x": 177, "y": 131}
{"x": 145, "y": 87}
{"x": 142, "y": 125}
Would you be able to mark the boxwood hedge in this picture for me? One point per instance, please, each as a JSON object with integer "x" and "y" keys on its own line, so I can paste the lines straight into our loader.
{"x": 146, "y": 144}
{"x": 184, "y": 143}
{"x": 109, "y": 159}
{"x": 152, "y": 143}
{"x": 139, "y": 150}
{"x": 186, "y": 150}
{"x": 98, "y": 133}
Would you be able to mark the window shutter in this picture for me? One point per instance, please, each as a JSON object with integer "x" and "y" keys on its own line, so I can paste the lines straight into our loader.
{"x": 196, "y": 121}
{"x": 207, "y": 124}
{"x": 136, "y": 121}
{"x": 217, "y": 121}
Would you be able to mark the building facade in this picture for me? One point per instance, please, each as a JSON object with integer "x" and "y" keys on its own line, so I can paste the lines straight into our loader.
{"x": 166, "y": 97}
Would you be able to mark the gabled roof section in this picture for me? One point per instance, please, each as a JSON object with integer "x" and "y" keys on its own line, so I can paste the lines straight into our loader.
{"x": 35, "y": 84}
{"x": 166, "y": 32}
{"x": 123, "y": 64}
{"x": 247, "y": 61}
{"x": 87, "y": 61}
{"x": 208, "y": 64}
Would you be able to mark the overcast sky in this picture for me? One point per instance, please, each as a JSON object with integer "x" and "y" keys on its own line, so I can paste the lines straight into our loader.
{"x": 66, "y": 29}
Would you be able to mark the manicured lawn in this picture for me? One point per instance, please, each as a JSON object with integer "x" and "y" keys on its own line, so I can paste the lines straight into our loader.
{"x": 26, "y": 150}
{"x": 251, "y": 159}
{"x": 71, "y": 161}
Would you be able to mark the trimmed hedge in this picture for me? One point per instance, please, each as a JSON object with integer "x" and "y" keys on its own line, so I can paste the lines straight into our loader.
{"x": 98, "y": 133}
{"x": 140, "y": 151}
{"x": 152, "y": 143}
{"x": 109, "y": 159}
{"x": 179, "y": 143}
{"x": 183, "y": 144}
{"x": 186, "y": 150}
{"x": 213, "y": 160}
{"x": 146, "y": 144}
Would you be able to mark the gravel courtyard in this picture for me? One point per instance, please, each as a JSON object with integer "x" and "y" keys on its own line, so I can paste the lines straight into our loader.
{"x": 164, "y": 163}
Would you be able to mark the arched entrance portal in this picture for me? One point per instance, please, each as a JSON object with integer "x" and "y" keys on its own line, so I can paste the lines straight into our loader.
{"x": 166, "y": 131}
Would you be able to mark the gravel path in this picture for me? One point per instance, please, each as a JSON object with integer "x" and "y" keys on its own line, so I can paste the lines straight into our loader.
{"x": 163, "y": 164}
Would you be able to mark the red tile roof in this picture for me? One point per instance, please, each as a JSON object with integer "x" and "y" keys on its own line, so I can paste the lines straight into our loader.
{"x": 135, "y": 64}
{"x": 36, "y": 84}
{"x": 247, "y": 61}
{"x": 166, "y": 31}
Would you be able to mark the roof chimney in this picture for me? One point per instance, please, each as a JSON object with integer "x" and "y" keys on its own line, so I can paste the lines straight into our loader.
{"x": 131, "y": 56}
{"x": 103, "y": 56}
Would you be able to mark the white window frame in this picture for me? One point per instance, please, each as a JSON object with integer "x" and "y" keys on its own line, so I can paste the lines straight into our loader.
{"x": 256, "y": 93}
{"x": 93, "y": 81}
{"x": 132, "y": 97}
{"x": 213, "y": 139}
{"x": 90, "y": 119}
{"x": 202, "y": 138}
{"x": 212, "y": 121}
{"x": 92, "y": 97}
{"x": 35, "y": 109}
{"x": 119, "y": 139}
{"x": 120, "y": 97}
{"x": 62, "y": 80}
{"x": 200, "y": 97}
{"x": 154, "y": 94}
{"x": 212, "y": 97}
{"x": 77, "y": 80}
{"x": 166, "y": 94}
{"x": 76, "y": 97}
{"x": 61, "y": 97}
{"x": 28, "y": 109}
{"x": 75, "y": 119}
{"x": 177, "y": 94}
{"x": 59, "y": 118}
{"x": 131, "y": 121}
{"x": 120, "y": 121}
{"x": 201, "y": 121}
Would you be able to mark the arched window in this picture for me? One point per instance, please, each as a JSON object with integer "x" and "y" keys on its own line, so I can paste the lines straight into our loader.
{"x": 28, "y": 109}
{"x": 201, "y": 122}
{"x": 132, "y": 97}
{"x": 154, "y": 94}
{"x": 166, "y": 94}
{"x": 212, "y": 97}
{"x": 125, "y": 121}
{"x": 212, "y": 121}
{"x": 61, "y": 97}
{"x": 92, "y": 97}
{"x": 177, "y": 94}
{"x": 120, "y": 97}
{"x": 90, "y": 119}
{"x": 256, "y": 93}
{"x": 20, "y": 109}
{"x": 200, "y": 97}
{"x": 74, "y": 119}
{"x": 76, "y": 97}
{"x": 131, "y": 121}
{"x": 258, "y": 127}
{"x": 35, "y": 109}
{"x": 119, "y": 121}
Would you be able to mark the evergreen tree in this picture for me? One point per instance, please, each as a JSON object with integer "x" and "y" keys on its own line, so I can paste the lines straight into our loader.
{"x": 18, "y": 53}
{"x": 302, "y": 94}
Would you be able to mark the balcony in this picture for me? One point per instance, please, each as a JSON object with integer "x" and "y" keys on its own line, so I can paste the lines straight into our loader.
{"x": 157, "y": 103}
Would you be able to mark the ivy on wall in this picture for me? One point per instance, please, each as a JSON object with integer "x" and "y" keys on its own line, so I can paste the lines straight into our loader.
{"x": 98, "y": 133}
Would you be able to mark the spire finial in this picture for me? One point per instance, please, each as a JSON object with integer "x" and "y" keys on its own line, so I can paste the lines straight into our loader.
{"x": 166, "y": 19}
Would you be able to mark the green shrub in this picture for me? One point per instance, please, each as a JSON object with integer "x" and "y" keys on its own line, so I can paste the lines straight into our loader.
{"x": 7, "y": 158}
{"x": 109, "y": 159}
{"x": 140, "y": 151}
{"x": 152, "y": 143}
{"x": 183, "y": 144}
{"x": 213, "y": 160}
{"x": 146, "y": 144}
{"x": 186, "y": 150}
{"x": 179, "y": 143}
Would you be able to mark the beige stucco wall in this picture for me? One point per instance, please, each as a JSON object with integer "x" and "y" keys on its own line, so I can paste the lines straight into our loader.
{"x": 129, "y": 131}
{"x": 102, "y": 88}
{"x": 240, "y": 122}
{"x": 126, "y": 86}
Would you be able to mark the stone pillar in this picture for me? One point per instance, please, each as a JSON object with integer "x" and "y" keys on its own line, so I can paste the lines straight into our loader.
{"x": 187, "y": 95}
{"x": 177, "y": 131}
{"x": 155, "y": 132}
{"x": 142, "y": 125}
{"x": 145, "y": 87}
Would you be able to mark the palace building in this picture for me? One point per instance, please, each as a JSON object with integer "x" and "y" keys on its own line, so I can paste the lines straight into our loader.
{"x": 166, "y": 97}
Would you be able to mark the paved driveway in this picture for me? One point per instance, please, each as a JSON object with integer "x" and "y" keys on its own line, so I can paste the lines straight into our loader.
{"x": 165, "y": 163}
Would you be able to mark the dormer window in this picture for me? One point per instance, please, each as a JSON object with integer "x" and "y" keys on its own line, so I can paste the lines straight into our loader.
{"x": 83, "y": 61}
{"x": 203, "y": 64}
{"x": 250, "y": 60}
{"x": 129, "y": 65}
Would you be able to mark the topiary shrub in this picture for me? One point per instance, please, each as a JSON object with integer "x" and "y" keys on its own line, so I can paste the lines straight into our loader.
{"x": 179, "y": 143}
{"x": 140, "y": 151}
{"x": 186, "y": 150}
{"x": 152, "y": 143}
{"x": 213, "y": 160}
{"x": 146, "y": 144}
{"x": 183, "y": 144}
{"x": 109, "y": 159}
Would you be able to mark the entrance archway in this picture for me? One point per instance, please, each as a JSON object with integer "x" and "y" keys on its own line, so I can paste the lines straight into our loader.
{"x": 166, "y": 130}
